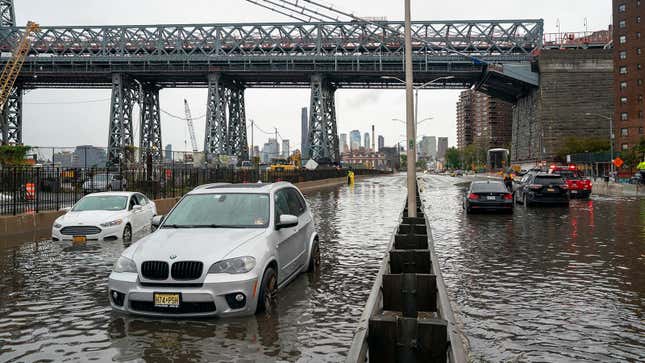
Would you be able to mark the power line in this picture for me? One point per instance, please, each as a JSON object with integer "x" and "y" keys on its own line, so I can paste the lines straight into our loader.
{"x": 67, "y": 102}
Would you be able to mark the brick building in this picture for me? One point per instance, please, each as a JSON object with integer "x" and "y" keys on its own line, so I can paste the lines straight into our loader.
{"x": 629, "y": 61}
{"x": 483, "y": 120}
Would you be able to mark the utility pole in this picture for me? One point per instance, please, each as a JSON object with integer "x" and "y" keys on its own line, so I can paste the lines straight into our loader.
{"x": 252, "y": 149}
{"x": 410, "y": 129}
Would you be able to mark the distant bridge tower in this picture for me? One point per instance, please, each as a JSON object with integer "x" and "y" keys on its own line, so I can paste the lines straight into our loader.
{"x": 323, "y": 135}
{"x": 7, "y": 13}
{"x": 125, "y": 93}
{"x": 11, "y": 117}
{"x": 150, "y": 127}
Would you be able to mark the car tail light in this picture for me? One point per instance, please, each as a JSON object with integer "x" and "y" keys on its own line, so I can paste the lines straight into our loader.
{"x": 535, "y": 186}
{"x": 564, "y": 186}
{"x": 508, "y": 196}
{"x": 473, "y": 196}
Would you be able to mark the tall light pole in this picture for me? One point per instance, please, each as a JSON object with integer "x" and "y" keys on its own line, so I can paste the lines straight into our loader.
{"x": 409, "y": 114}
{"x": 611, "y": 137}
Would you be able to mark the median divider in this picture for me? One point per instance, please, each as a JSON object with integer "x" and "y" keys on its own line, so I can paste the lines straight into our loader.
{"x": 408, "y": 317}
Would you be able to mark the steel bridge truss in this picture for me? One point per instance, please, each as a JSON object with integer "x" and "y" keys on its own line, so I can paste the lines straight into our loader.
{"x": 11, "y": 121}
{"x": 150, "y": 130}
{"x": 476, "y": 38}
{"x": 125, "y": 93}
{"x": 323, "y": 135}
{"x": 7, "y": 14}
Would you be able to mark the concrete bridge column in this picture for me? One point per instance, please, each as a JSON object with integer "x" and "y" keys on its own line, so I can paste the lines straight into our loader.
{"x": 237, "y": 144}
{"x": 125, "y": 93}
{"x": 215, "y": 139}
{"x": 150, "y": 128}
{"x": 11, "y": 119}
{"x": 323, "y": 132}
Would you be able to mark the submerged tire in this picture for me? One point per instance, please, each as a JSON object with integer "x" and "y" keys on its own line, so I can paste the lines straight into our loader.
{"x": 127, "y": 233}
{"x": 268, "y": 291}
{"x": 314, "y": 259}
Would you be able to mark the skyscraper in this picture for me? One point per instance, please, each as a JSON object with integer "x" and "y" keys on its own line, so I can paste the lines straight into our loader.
{"x": 270, "y": 150}
{"x": 285, "y": 148}
{"x": 428, "y": 147}
{"x": 304, "y": 133}
{"x": 483, "y": 120}
{"x": 168, "y": 156}
{"x": 442, "y": 147}
{"x": 355, "y": 140}
{"x": 381, "y": 142}
{"x": 367, "y": 141}
{"x": 343, "y": 143}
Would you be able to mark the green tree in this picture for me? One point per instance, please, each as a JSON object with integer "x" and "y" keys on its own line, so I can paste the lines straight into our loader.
{"x": 453, "y": 158}
{"x": 13, "y": 155}
{"x": 578, "y": 145}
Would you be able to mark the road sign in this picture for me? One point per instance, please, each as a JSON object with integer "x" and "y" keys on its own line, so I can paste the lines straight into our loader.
{"x": 618, "y": 162}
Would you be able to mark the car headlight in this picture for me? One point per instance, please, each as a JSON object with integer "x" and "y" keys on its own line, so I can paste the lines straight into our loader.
{"x": 57, "y": 225}
{"x": 112, "y": 223}
{"x": 124, "y": 264}
{"x": 237, "y": 265}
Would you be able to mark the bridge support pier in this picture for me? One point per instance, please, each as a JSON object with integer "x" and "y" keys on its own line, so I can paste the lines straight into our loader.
{"x": 7, "y": 13}
{"x": 237, "y": 144}
{"x": 125, "y": 93}
{"x": 150, "y": 129}
{"x": 215, "y": 137}
{"x": 323, "y": 132}
{"x": 11, "y": 121}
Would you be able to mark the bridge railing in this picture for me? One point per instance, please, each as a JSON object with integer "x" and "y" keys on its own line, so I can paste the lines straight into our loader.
{"x": 488, "y": 37}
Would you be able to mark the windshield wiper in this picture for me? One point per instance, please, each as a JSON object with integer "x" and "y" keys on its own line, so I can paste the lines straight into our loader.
{"x": 178, "y": 226}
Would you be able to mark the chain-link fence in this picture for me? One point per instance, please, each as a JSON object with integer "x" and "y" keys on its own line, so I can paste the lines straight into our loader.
{"x": 35, "y": 189}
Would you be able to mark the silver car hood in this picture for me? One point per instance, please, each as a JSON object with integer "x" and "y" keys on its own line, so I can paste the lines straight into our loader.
{"x": 91, "y": 218}
{"x": 192, "y": 244}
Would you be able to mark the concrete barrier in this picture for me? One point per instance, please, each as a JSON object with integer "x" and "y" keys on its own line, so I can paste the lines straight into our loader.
{"x": 618, "y": 190}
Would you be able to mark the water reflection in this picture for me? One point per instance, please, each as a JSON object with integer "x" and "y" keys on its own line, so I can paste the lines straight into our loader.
{"x": 544, "y": 284}
{"x": 54, "y": 303}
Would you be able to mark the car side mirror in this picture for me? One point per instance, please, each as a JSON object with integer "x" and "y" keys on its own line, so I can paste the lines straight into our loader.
{"x": 287, "y": 221}
{"x": 156, "y": 221}
{"x": 137, "y": 208}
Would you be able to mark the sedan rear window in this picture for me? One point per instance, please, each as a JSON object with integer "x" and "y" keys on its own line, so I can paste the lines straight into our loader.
{"x": 546, "y": 180}
{"x": 101, "y": 203}
{"x": 220, "y": 210}
{"x": 494, "y": 187}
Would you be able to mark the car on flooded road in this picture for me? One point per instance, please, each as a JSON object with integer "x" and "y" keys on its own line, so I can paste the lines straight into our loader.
{"x": 577, "y": 184}
{"x": 542, "y": 188}
{"x": 223, "y": 250}
{"x": 105, "y": 216}
{"x": 491, "y": 195}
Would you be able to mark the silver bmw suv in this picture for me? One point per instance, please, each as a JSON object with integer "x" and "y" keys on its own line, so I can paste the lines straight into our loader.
{"x": 223, "y": 250}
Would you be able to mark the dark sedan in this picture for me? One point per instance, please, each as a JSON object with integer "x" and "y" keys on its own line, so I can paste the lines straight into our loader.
{"x": 543, "y": 188}
{"x": 489, "y": 195}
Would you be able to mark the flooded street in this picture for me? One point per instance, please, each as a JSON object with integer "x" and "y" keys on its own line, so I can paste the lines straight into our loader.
{"x": 54, "y": 302}
{"x": 544, "y": 284}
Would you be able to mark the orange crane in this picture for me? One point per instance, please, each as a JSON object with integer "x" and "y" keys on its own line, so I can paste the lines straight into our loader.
{"x": 191, "y": 129}
{"x": 14, "y": 65}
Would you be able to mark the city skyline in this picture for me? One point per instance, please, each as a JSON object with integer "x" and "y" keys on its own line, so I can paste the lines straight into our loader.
{"x": 87, "y": 111}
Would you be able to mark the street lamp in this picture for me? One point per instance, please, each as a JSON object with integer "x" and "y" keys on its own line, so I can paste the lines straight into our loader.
{"x": 611, "y": 137}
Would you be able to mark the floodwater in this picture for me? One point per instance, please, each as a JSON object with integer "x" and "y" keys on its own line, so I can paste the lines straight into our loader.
{"x": 544, "y": 284}
{"x": 54, "y": 305}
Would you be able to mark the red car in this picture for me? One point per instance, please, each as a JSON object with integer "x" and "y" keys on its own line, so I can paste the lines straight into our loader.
{"x": 579, "y": 186}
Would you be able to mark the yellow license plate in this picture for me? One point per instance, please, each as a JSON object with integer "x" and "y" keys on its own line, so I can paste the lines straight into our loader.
{"x": 166, "y": 300}
{"x": 79, "y": 239}
{"x": 550, "y": 190}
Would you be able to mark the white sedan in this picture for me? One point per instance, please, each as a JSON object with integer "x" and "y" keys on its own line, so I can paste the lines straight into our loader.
{"x": 105, "y": 217}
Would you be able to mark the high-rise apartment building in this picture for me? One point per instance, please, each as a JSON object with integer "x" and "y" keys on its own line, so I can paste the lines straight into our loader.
{"x": 285, "y": 148}
{"x": 366, "y": 144}
{"x": 270, "y": 150}
{"x": 304, "y": 132}
{"x": 354, "y": 140}
{"x": 629, "y": 60}
{"x": 428, "y": 147}
{"x": 442, "y": 147}
{"x": 483, "y": 120}
{"x": 344, "y": 147}
{"x": 381, "y": 142}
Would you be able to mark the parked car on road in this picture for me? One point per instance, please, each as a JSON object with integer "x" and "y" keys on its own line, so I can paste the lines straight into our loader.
{"x": 491, "y": 195}
{"x": 223, "y": 250}
{"x": 542, "y": 188}
{"x": 105, "y": 182}
{"x": 105, "y": 217}
{"x": 577, "y": 184}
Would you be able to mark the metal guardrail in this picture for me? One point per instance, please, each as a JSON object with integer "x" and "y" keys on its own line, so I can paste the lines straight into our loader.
{"x": 35, "y": 189}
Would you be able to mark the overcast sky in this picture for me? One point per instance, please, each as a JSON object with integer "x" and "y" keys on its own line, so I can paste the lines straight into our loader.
{"x": 74, "y": 117}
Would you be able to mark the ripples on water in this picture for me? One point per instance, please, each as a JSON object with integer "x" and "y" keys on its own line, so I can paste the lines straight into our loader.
{"x": 544, "y": 284}
{"x": 54, "y": 305}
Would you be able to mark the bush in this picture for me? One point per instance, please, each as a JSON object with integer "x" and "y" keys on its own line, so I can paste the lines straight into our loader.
{"x": 13, "y": 155}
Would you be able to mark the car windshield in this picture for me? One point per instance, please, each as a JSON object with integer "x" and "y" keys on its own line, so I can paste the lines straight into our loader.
{"x": 546, "y": 180}
{"x": 223, "y": 210}
{"x": 101, "y": 177}
{"x": 102, "y": 202}
{"x": 568, "y": 174}
{"x": 488, "y": 188}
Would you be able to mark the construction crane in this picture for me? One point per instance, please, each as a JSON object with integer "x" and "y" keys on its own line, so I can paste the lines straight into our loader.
{"x": 191, "y": 129}
{"x": 14, "y": 65}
